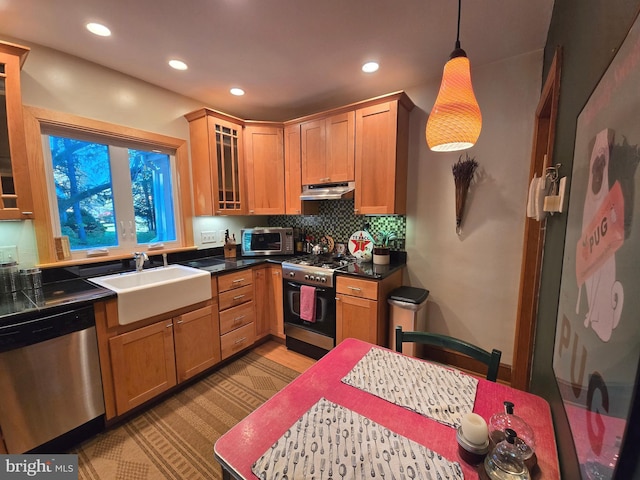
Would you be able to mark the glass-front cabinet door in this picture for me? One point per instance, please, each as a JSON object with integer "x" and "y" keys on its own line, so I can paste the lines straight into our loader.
{"x": 217, "y": 163}
{"x": 15, "y": 196}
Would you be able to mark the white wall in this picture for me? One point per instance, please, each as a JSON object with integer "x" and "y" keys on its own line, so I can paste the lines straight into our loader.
{"x": 473, "y": 278}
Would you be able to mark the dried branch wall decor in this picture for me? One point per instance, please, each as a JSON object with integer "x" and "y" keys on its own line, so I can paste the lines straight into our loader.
{"x": 463, "y": 171}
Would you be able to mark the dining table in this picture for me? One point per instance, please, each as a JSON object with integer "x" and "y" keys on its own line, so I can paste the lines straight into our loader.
{"x": 347, "y": 445}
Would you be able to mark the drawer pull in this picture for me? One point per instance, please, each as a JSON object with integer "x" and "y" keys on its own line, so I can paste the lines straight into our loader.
{"x": 169, "y": 325}
{"x": 355, "y": 289}
{"x": 238, "y": 319}
{"x": 237, "y": 280}
{"x": 238, "y": 297}
{"x": 240, "y": 340}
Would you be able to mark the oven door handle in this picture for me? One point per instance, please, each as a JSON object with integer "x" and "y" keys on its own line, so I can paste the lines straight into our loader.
{"x": 298, "y": 285}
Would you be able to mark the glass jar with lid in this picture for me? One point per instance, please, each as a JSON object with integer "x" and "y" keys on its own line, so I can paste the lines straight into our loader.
{"x": 525, "y": 440}
{"x": 505, "y": 462}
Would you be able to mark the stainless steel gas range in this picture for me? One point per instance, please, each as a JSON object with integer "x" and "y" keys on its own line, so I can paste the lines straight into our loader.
{"x": 310, "y": 302}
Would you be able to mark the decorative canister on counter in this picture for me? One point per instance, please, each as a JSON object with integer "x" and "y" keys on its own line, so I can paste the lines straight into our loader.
{"x": 9, "y": 277}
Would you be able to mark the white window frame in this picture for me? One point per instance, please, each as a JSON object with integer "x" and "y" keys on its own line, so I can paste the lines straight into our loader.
{"x": 122, "y": 194}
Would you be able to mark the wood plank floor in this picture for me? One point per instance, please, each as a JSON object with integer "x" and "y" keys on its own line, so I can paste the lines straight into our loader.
{"x": 277, "y": 352}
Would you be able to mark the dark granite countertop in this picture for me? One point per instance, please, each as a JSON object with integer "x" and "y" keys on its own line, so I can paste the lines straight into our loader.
{"x": 371, "y": 271}
{"x": 52, "y": 298}
{"x": 68, "y": 288}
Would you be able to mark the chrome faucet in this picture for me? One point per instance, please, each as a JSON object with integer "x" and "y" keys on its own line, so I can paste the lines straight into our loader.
{"x": 140, "y": 258}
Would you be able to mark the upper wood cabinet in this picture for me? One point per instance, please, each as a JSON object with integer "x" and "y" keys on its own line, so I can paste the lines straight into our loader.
{"x": 327, "y": 146}
{"x": 217, "y": 163}
{"x": 265, "y": 167}
{"x": 15, "y": 187}
{"x": 293, "y": 175}
{"x": 381, "y": 155}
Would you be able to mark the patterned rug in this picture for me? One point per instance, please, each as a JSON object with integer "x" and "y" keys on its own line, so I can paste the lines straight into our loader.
{"x": 174, "y": 439}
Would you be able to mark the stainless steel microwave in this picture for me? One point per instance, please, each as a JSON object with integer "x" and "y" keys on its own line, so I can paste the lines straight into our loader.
{"x": 267, "y": 241}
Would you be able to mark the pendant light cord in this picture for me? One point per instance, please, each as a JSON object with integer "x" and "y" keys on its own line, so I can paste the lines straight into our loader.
{"x": 458, "y": 33}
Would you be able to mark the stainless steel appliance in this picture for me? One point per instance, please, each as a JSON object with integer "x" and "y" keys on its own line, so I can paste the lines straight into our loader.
{"x": 328, "y": 191}
{"x": 267, "y": 241}
{"x": 316, "y": 338}
{"x": 49, "y": 376}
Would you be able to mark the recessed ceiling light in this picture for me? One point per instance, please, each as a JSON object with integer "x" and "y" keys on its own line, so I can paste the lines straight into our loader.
{"x": 370, "y": 67}
{"x": 178, "y": 64}
{"x": 238, "y": 92}
{"x": 98, "y": 29}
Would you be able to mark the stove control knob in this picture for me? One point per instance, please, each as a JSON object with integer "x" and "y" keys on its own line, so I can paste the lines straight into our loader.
{"x": 306, "y": 277}
{"x": 312, "y": 278}
{"x": 292, "y": 274}
{"x": 323, "y": 280}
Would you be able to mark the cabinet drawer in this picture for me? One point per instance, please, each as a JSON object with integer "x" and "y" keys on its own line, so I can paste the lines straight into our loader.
{"x": 236, "y": 317}
{"x": 357, "y": 287}
{"x": 235, "y": 297}
{"x": 230, "y": 281}
{"x": 238, "y": 339}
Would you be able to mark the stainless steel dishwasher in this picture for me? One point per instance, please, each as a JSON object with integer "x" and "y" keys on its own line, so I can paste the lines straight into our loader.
{"x": 50, "y": 379}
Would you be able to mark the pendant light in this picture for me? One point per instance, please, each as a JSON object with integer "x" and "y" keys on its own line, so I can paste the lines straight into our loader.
{"x": 455, "y": 120}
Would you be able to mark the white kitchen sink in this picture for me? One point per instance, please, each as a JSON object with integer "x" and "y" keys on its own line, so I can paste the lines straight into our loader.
{"x": 156, "y": 290}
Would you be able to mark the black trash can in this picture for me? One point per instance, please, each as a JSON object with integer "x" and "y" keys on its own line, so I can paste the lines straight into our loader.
{"x": 407, "y": 309}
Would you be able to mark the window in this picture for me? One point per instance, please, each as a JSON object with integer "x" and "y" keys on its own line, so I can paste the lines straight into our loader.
{"x": 112, "y": 189}
{"x": 109, "y": 197}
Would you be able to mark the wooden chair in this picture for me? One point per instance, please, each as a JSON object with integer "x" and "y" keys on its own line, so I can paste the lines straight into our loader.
{"x": 492, "y": 360}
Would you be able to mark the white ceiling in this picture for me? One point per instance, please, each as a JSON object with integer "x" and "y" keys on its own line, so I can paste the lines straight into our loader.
{"x": 292, "y": 57}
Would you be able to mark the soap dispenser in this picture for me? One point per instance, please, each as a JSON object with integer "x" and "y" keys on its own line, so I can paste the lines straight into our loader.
{"x": 505, "y": 461}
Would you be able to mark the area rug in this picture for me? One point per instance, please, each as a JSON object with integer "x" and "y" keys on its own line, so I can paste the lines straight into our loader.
{"x": 174, "y": 439}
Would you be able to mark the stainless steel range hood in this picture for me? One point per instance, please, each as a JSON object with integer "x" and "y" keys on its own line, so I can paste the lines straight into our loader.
{"x": 328, "y": 191}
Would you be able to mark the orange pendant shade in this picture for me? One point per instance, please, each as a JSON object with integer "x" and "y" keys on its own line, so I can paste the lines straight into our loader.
{"x": 455, "y": 120}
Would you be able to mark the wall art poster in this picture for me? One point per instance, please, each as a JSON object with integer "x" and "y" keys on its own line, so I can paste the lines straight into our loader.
{"x": 597, "y": 343}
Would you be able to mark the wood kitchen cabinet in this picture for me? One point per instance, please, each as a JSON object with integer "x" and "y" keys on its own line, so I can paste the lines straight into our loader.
{"x": 327, "y": 149}
{"x": 293, "y": 175}
{"x": 15, "y": 187}
{"x": 276, "y": 321}
{"x": 268, "y": 301}
{"x": 217, "y": 163}
{"x": 195, "y": 336}
{"x": 362, "y": 310}
{"x": 143, "y": 364}
{"x": 150, "y": 360}
{"x": 381, "y": 155}
{"x": 237, "y": 311}
{"x": 265, "y": 168}
{"x": 262, "y": 303}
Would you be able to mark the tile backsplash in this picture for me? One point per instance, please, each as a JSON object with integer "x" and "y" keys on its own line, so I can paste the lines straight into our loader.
{"x": 336, "y": 218}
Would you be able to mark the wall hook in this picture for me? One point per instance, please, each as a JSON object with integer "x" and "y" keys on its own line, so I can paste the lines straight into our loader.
{"x": 554, "y": 200}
